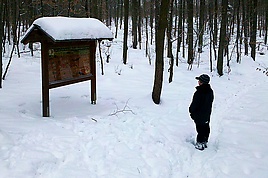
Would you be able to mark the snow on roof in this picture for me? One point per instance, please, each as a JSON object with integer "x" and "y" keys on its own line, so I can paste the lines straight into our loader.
{"x": 70, "y": 28}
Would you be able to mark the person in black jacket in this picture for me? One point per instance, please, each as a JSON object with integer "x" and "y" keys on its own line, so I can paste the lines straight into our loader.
{"x": 200, "y": 110}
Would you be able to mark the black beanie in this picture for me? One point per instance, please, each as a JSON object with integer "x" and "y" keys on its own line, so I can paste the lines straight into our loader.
{"x": 204, "y": 78}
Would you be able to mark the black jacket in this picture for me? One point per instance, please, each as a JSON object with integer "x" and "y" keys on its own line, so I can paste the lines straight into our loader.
{"x": 200, "y": 108}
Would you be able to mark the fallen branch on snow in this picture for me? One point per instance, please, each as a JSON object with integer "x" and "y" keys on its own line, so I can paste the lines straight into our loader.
{"x": 125, "y": 109}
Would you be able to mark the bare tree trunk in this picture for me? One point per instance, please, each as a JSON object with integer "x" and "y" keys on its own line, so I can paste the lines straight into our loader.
{"x": 134, "y": 23}
{"x": 215, "y": 29}
{"x": 159, "y": 61}
{"x": 18, "y": 31}
{"x": 126, "y": 10}
{"x": 180, "y": 31}
{"x": 210, "y": 51}
{"x": 201, "y": 25}
{"x": 169, "y": 31}
{"x": 146, "y": 28}
{"x": 238, "y": 36}
{"x": 139, "y": 24}
{"x": 94, "y": 8}
{"x": 183, "y": 27}
{"x": 190, "y": 36}
{"x": 222, "y": 37}
{"x": 9, "y": 62}
{"x": 210, "y": 34}
{"x": 1, "y": 40}
{"x": 170, "y": 53}
{"x": 245, "y": 25}
{"x": 86, "y": 8}
{"x": 14, "y": 23}
{"x": 117, "y": 17}
{"x": 266, "y": 24}
{"x": 253, "y": 31}
{"x": 152, "y": 17}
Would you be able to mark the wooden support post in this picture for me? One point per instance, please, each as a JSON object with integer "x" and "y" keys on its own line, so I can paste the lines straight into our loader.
{"x": 93, "y": 68}
{"x": 45, "y": 81}
{"x": 93, "y": 91}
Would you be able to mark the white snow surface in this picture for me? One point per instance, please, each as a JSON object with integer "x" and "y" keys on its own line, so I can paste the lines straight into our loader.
{"x": 126, "y": 135}
{"x": 71, "y": 28}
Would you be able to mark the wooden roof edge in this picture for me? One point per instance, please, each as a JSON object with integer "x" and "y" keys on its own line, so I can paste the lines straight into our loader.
{"x": 25, "y": 40}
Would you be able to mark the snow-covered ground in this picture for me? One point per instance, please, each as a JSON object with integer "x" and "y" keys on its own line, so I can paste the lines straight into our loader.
{"x": 125, "y": 135}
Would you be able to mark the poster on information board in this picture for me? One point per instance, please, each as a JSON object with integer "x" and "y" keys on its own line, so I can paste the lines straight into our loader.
{"x": 68, "y": 63}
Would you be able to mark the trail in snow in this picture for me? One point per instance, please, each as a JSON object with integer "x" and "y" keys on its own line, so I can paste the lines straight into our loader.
{"x": 238, "y": 131}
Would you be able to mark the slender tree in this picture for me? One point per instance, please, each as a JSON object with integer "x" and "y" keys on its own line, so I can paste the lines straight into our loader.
{"x": 222, "y": 42}
{"x": 215, "y": 34}
{"x": 135, "y": 23}
{"x": 159, "y": 61}
{"x": 117, "y": 17}
{"x": 1, "y": 39}
{"x": 266, "y": 23}
{"x": 190, "y": 35}
{"x": 245, "y": 24}
{"x": 180, "y": 31}
{"x": 126, "y": 12}
{"x": 253, "y": 31}
{"x": 211, "y": 43}
{"x": 238, "y": 31}
{"x": 169, "y": 31}
{"x": 201, "y": 25}
{"x": 169, "y": 36}
{"x": 183, "y": 27}
{"x": 140, "y": 17}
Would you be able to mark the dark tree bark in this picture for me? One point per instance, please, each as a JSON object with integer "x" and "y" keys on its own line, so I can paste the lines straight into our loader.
{"x": 183, "y": 27}
{"x": 215, "y": 34}
{"x": 152, "y": 18}
{"x": 117, "y": 17}
{"x": 146, "y": 9}
{"x": 180, "y": 31}
{"x": 222, "y": 37}
{"x": 94, "y": 8}
{"x": 139, "y": 24}
{"x": 211, "y": 43}
{"x": 190, "y": 36}
{"x": 245, "y": 24}
{"x": 159, "y": 61}
{"x": 126, "y": 11}
{"x": 201, "y": 25}
{"x": 266, "y": 24}
{"x": 253, "y": 31}
{"x": 1, "y": 39}
{"x": 169, "y": 31}
{"x": 86, "y": 8}
{"x": 14, "y": 24}
{"x": 238, "y": 36}
{"x": 170, "y": 53}
{"x": 135, "y": 23}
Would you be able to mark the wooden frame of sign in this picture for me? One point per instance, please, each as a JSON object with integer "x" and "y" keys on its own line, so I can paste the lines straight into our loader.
{"x": 65, "y": 63}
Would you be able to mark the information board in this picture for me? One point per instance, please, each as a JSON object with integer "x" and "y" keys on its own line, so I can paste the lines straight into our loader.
{"x": 68, "y": 63}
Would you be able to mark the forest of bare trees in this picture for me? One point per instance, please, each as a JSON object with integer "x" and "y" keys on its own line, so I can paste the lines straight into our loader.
{"x": 191, "y": 25}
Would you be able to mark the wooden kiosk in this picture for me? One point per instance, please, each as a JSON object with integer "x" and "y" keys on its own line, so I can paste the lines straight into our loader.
{"x": 68, "y": 47}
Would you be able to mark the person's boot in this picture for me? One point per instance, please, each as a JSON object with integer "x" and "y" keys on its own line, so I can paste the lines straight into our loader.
{"x": 205, "y": 144}
{"x": 200, "y": 146}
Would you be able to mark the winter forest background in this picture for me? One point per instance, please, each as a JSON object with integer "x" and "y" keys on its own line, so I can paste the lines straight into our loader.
{"x": 166, "y": 42}
{"x": 230, "y": 28}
